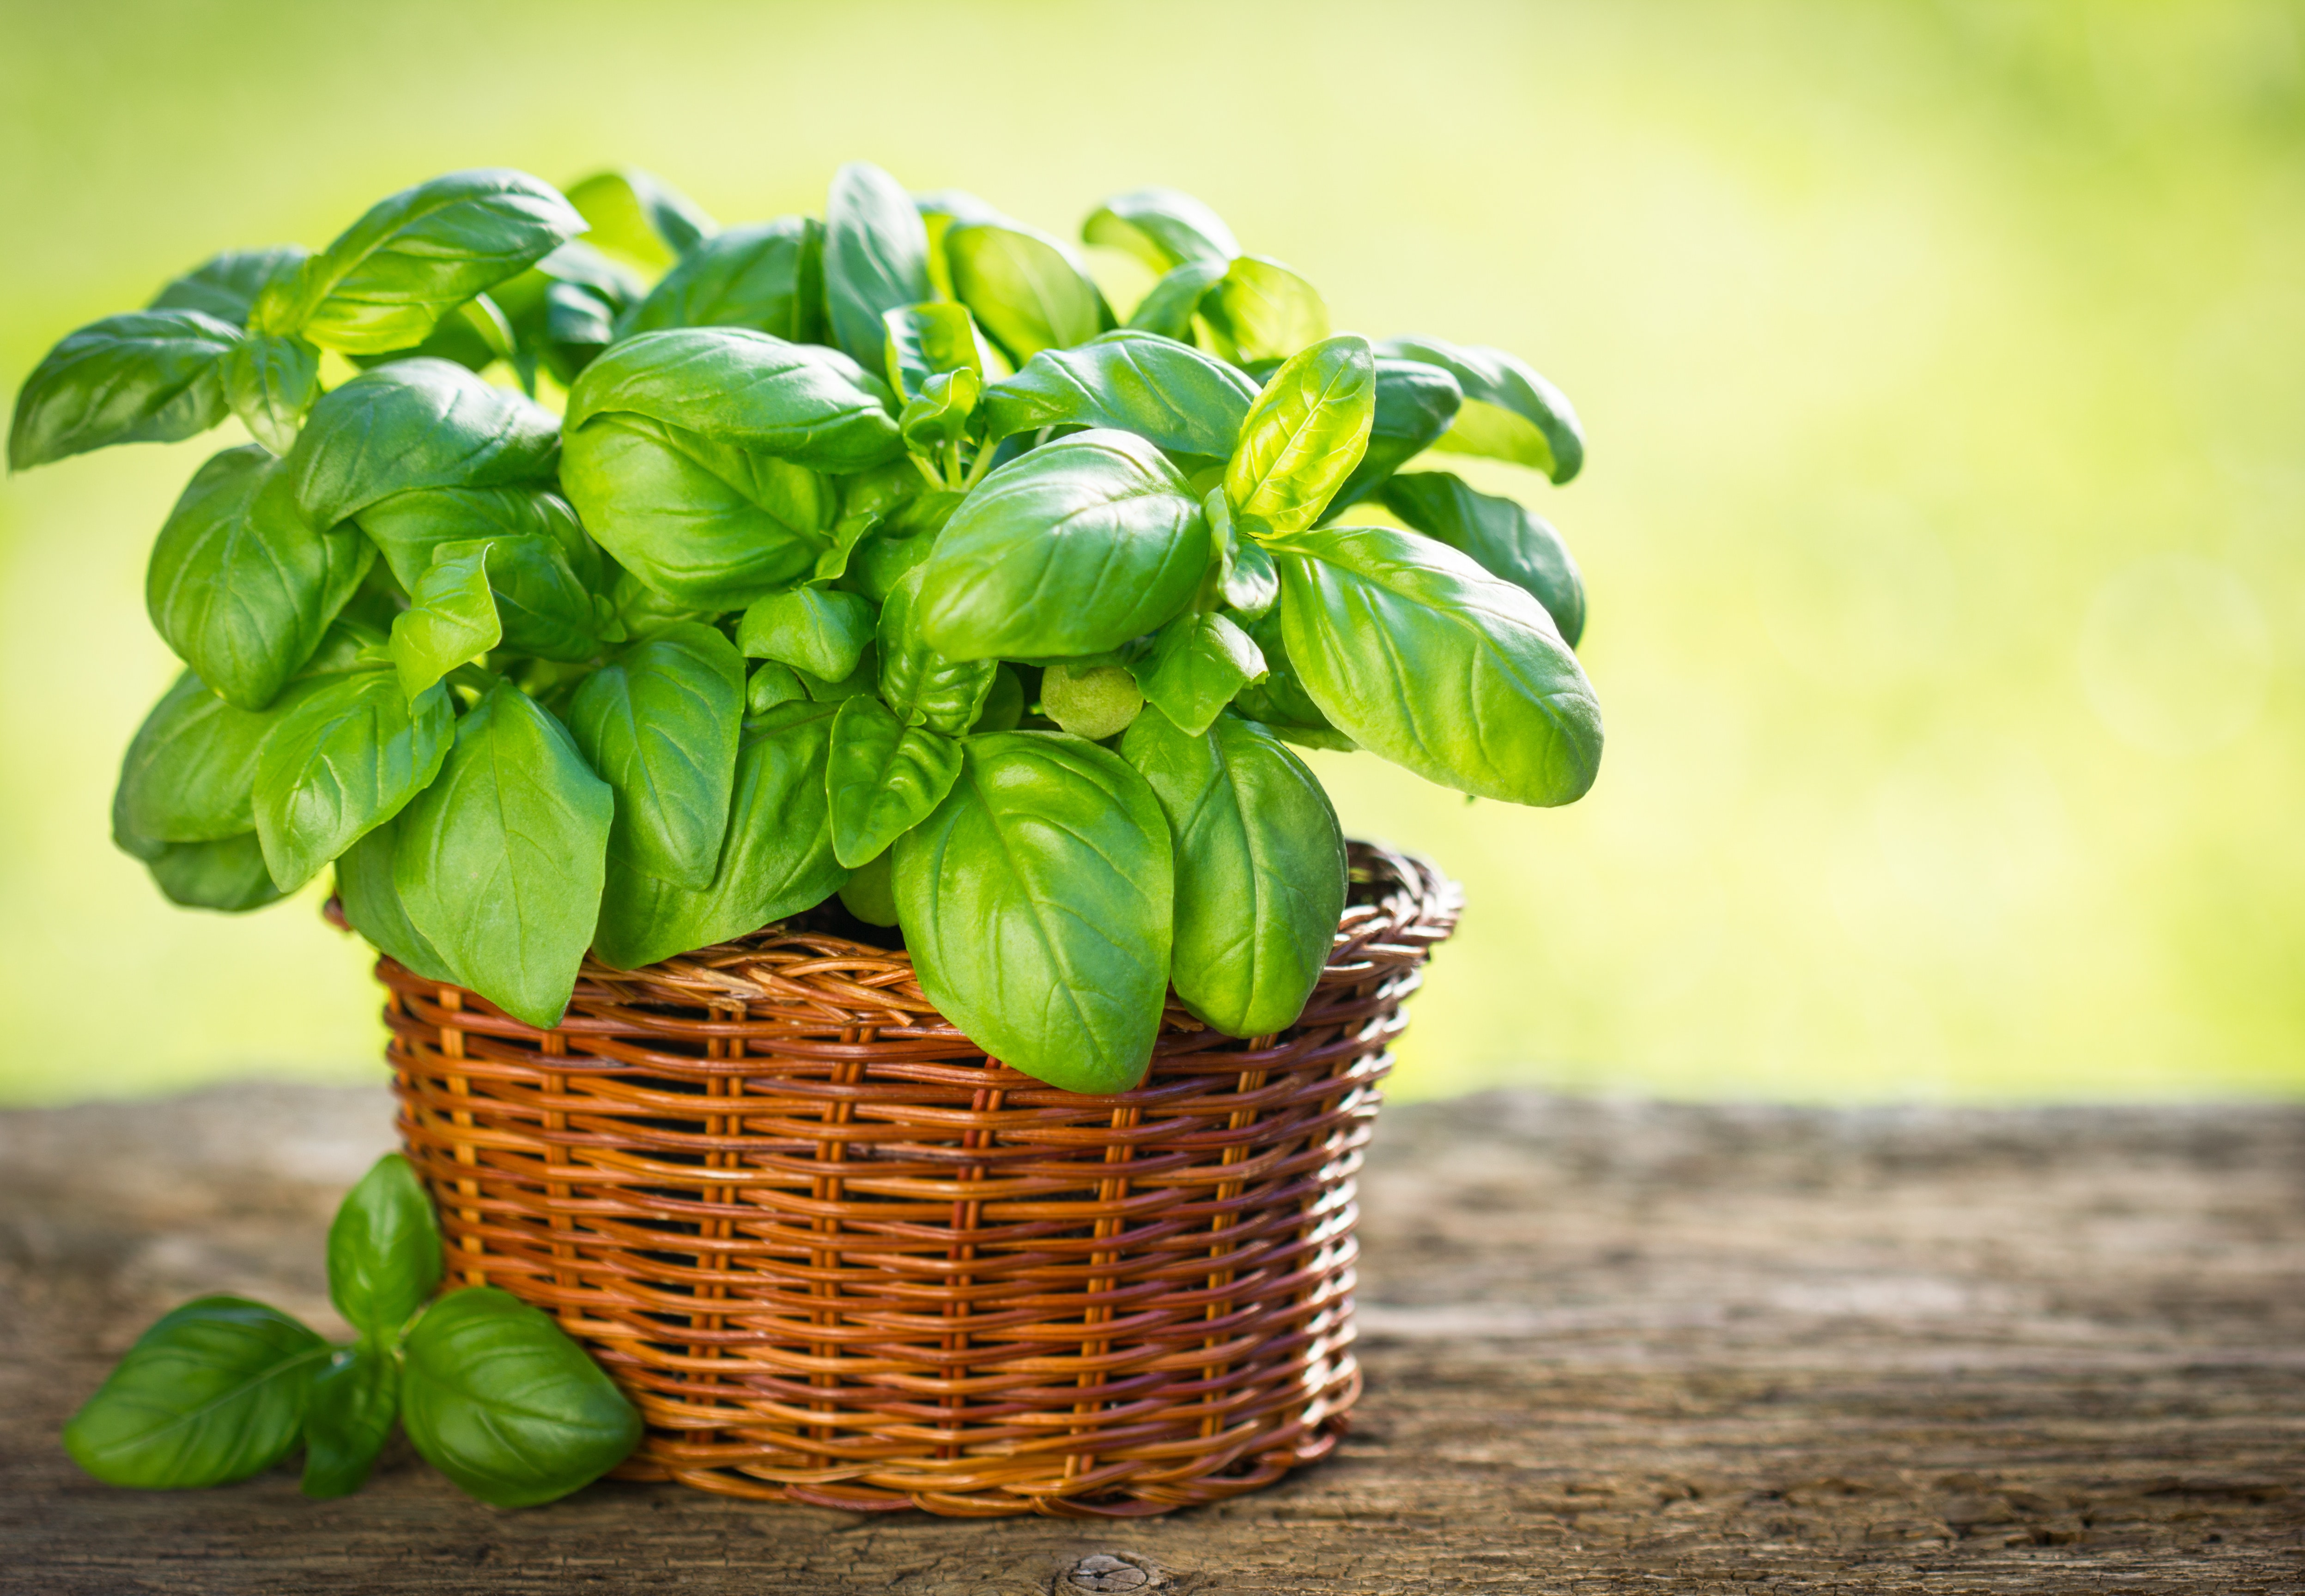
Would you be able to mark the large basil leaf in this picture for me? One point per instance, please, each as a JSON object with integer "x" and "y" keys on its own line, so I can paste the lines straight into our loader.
{"x": 497, "y": 1396}
{"x": 347, "y": 1420}
{"x": 540, "y": 608}
{"x": 923, "y": 340}
{"x": 416, "y": 256}
{"x": 241, "y": 585}
{"x": 809, "y": 404}
{"x": 660, "y": 723}
{"x": 1419, "y": 655}
{"x": 708, "y": 525}
{"x": 822, "y": 631}
{"x": 384, "y": 1249}
{"x": 451, "y": 619}
{"x": 1509, "y": 411}
{"x": 1165, "y": 392}
{"x": 642, "y": 217}
{"x": 1503, "y": 538}
{"x": 1304, "y": 435}
{"x": 1415, "y": 405}
{"x": 1024, "y": 288}
{"x": 413, "y": 526}
{"x": 1261, "y": 310}
{"x": 344, "y": 760}
{"x": 777, "y": 859}
{"x": 225, "y": 285}
{"x": 920, "y": 686}
{"x": 1198, "y": 665}
{"x": 214, "y": 1391}
{"x": 270, "y": 382}
{"x": 371, "y": 902}
{"x": 1169, "y": 305}
{"x": 420, "y": 423}
{"x": 1280, "y": 702}
{"x": 1161, "y": 227}
{"x": 1260, "y": 868}
{"x": 876, "y": 258}
{"x": 768, "y": 276}
{"x": 1073, "y": 549}
{"x": 228, "y": 875}
{"x": 1037, "y": 901}
{"x": 145, "y": 376}
{"x": 884, "y": 777}
{"x": 498, "y": 861}
{"x": 191, "y": 769}
{"x": 941, "y": 211}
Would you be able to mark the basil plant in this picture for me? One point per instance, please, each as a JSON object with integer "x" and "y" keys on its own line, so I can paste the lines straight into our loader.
{"x": 872, "y": 554}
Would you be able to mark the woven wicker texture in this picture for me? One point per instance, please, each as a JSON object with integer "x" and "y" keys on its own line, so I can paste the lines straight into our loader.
{"x": 838, "y": 1257}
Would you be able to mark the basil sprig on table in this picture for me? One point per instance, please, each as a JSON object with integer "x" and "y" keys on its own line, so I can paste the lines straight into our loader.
{"x": 630, "y": 591}
{"x": 490, "y": 1390}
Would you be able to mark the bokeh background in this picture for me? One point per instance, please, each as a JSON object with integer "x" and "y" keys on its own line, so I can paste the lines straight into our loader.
{"x": 1944, "y": 521}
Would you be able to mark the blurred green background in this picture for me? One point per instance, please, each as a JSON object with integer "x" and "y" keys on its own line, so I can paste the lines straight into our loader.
{"x": 1942, "y": 369}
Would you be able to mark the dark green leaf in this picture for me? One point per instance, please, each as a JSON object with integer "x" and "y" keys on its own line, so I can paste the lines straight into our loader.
{"x": 498, "y": 862}
{"x": 822, "y": 631}
{"x": 1509, "y": 411}
{"x": 191, "y": 770}
{"x": 420, "y": 423}
{"x": 642, "y": 217}
{"x": 809, "y": 405}
{"x": 1169, "y": 305}
{"x": 1004, "y": 704}
{"x": 1161, "y": 227}
{"x": 226, "y": 286}
{"x": 1024, "y": 288}
{"x": 1037, "y": 901}
{"x": 213, "y": 1392}
{"x": 373, "y": 903}
{"x": 1167, "y": 393}
{"x": 1260, "y": 869}
{"x": 777, "y": 859}
{"x": 145, "y": 376}
{"x": 1197, "y": 664}
{"x": 768, "y": 276}
{"x": 1503, "y": 538}
{"x": 384, "y": 1250}
{"x": 1304, "y": 435}
{"x": 451, "y": 618}
{"x": 1261, "y": 310}
{"x": 1073, "y": 549}
{"x": 871, "y": 894}
{"x": 876, "y": 258}
{"x": 883, "y": 778}
{"x": 347, "y": 1420}
{"x": 1419, "y": 655}
{"x": 922, "y": 686}
{"x": 1415, "y": 405}
{"x": 343, "y": 761}
{"x": 270, "y": 382}
{"x": 229, "y": 874}
{"x": 497, "y": 1396}
{"x": 660, "y": 724}
{"x": 412, "y": 526}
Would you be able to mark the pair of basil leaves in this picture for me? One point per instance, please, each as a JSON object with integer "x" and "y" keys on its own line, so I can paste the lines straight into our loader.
{"x": 489, "y": 1389}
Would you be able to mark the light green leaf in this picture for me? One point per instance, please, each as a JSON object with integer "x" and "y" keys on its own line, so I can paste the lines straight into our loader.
{"x": 417, "y": 423}
{"x": 1197, "y": 664}
{"x": 920, "y": 686}
{"x": 451, "y": 619}
{"x": 1164, "y": 392}
{"x": 1024, "y": 288}
{"x": 1169, "y": 305}
{"x": 271, "y": 382}
{"x": 923, "y": 340}
{"x": 371, "y": 902}
{"x": 1161, "y": 227}
{"x": 1509, "y": 411}
{"x": 1304, "y": 435}
{"x": 660, "y": 724}
{"x": 883, "y": 778}
{"x": 939, "y": 415}
{"x": 770, "y": 684}
{"x": 343, "y": 761}
{"x": 640, "y": 218}
{"x": 412, "y": 526}
{"x": 822, "y": 631}
{"x": 226, "y": 286}
{"x": 1503, "y": 539}
{"x": 767, "y": 276}
{"x": 1261, "y": 310}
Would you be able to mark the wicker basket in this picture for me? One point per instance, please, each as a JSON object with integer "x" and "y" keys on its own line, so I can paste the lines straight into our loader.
{"x": 838, "y": 1257}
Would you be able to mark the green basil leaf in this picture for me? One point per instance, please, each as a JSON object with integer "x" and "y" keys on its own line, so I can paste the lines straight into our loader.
{"x": 811, "y": 405}
{"x": 1090, "y": 700}
{"x": 542, "y": 609}
{"x": 1198, "y": 665}
{"x": 241, "y": 585}
{"x": 229, "y": 874}
{"x": 1072, "y": 549}
{"x": 213, "y": 1392}
{"x": 660, "y": 724}
{"x": 1167, "y": 393}
{"x": 1261, "y": 310}
{"x": 413, "y": 526}
{"x": 876, "y": 258}
{"x": 1247, "y": 583}
{"x": 451, "y": 619}
{"x": 581, "y": 322}
{"x": 1503, "y": 539}
{"x": 1161, "y": 227}
{"x": 416, "y": 256}
{"x": 922, "y": 686}
{"x": 871, "y": 894}
{"x": 498, "y": 862}
{"x": 1260, "y": 869}
{"x": 941, "y": 212}
{"x": 343, "y": 761}
{"x": 1037, "y": 902}
{"x": 371, "y": 902}
{"x": 270, "y": 383}
{"x": 883, "y": 778}
{"x": 642, "y": 217}
{"x": 1509, "y": 411}
{"x": 145, "y": 376}
{"x": 1024, "y": 288}
{"x": 771, "y": 685}
{"x": 1419, "y": 655}
{"x": 1004, "y": 704}
{"x": 419, "y": 423}
{"x": 1415, "y": 404}
{"x": 347, "y": 1420}
{"x": 643, "y": 612}
{"x": 865, "y": 679}
{"x": 822, "y": 631}
{"x": 191, "y": 769}
{"x": 1304, "y": 435}
{"x": 884, "y": 558}
{"x": 939, "y": 414}
{"x": 776, "y": 859}
{"x": 923, "y": 340}
{"x": 768, "y": 276}
{"x": 1169, "y": 305}
{"x": 384, "y": 1250}
{"x": 497, "y": 1396}
{"x": 226, "y": 286}
{"x": 1280, "y": 702}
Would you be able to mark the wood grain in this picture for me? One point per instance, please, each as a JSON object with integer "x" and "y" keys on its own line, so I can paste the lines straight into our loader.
{"x": 1610, "y": 1348}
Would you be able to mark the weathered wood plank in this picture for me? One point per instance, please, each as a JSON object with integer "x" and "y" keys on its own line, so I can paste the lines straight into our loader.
{"x": 1610, "y": 1348}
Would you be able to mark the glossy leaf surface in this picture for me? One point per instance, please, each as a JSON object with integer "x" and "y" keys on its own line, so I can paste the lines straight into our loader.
{"x": 660, "y": 725}
{"x": 923, "y": 340}
{"x": 372, "y": 904}
{"x": 384, "y": 1249}
{"x": 1169, "y": 305}
{"x": 410, "y": 528}
{"x": 226, "y": 286}
{"x": 1503, "y": 538}
{"x": 876, "y": 258}
{"x": 1415, "y": 405}
{"x": 822, "y": 631}
{"x": 1024, "y": 288}
{"x": 1165, "y": 392}
{"x": 1304, "y": 435}
{"x": 1198, "y": 662}
{"x": 1261, "y": 310}
{"x": 270, "y": 382}
{"x": 768, "y": 276}
{"x": 191, "y": 769}
{"x": 1509, "y": 411}
{"x": 228, "y": 875}
{"x": 422, "y": 423}
{"x": 347, "y": 1418}
{"x": 451, "y": 619}
{"x": 145, "y": 376}
{"x": 809, "y": 405}
{"x": 344, "y": 760}
{"x": 920, "y": 686}
{"x": 884, "y": 777}
{"x": 1161, "y": 227}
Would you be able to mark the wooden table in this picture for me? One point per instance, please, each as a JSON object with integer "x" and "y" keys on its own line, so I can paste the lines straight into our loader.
{"x": 1610, "y": 1348}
